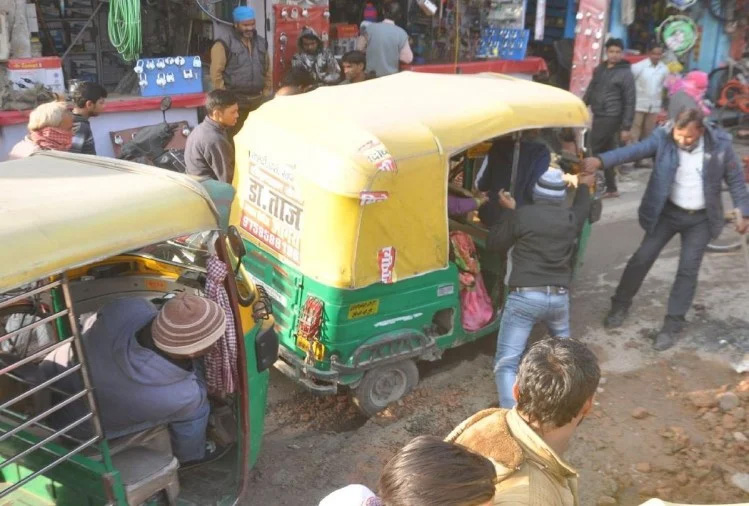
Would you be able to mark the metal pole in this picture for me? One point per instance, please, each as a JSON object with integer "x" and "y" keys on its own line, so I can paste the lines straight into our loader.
{"x": 515, "y": 161}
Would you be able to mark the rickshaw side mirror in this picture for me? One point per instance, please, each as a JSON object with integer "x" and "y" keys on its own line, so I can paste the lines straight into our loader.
{"x": 166, "y": 104}
{"x": 236, "y": 243}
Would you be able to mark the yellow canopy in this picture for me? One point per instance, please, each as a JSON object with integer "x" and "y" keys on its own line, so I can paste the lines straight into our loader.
{"x": 59, "y": 211}
{"x": 337, "y": 180}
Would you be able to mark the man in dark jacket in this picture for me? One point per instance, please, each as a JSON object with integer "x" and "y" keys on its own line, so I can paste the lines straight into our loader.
{"x": 314, "y": 58}
{"x": 541, "y": 238}
{"x": 611, "y": 97}
{"x": 88, "y": 102}
{"x": 240, "y": 63}
{"x": 209, "y": 152}
{"x": 683, "y": 196}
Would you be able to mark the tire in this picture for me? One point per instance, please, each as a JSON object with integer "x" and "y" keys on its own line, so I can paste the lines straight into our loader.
{"x": 384, "y": 385}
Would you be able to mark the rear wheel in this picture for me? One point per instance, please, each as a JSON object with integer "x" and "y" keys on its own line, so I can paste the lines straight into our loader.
{"x": 383, "y": 385}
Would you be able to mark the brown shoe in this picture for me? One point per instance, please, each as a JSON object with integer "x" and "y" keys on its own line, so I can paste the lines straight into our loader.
{"x": 611, "y": 195}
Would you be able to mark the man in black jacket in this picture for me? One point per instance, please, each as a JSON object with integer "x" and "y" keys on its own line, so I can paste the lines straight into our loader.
{"x": 611, "y": 97}
{"x": 542, "y": 238}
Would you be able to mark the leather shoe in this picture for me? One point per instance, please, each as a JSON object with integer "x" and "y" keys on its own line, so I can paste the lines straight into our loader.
{"x": 616, "y": 317}
{"x": 664, "y": 340}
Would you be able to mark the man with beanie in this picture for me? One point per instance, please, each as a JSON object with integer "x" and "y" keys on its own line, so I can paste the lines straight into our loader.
{"x": 541, "y": 239}
{"x": 240, "y": 63}
{"x": 141, "y": 367}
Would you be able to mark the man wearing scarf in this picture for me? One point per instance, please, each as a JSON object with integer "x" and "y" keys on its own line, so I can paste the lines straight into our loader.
{"x": 50, "y": 128}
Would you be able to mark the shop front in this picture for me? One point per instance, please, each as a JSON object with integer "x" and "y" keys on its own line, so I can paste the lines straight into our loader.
{"x": 138, "y": 51}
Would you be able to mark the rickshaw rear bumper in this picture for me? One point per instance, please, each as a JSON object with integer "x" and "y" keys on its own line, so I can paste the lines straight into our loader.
{"x": 314, "y": 380}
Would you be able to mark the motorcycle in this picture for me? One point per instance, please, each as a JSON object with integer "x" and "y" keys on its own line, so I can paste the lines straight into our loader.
{"x": 161, "y": 145}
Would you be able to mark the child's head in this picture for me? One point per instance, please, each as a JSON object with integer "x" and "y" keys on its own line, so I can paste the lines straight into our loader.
{"x": 430, "y": 472}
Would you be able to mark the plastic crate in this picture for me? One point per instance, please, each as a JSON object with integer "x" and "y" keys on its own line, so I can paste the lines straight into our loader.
{"x": 169, "y": 76}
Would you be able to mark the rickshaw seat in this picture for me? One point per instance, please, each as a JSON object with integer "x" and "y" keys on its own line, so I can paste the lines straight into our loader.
{"x": 146, "y": 472}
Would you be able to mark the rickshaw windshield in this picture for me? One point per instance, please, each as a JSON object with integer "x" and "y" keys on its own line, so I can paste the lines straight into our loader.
{"x": 189, "y": 252}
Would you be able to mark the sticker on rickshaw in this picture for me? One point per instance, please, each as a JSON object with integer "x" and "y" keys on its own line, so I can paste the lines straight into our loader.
{"x": 362, "y": 309}
{"x": 366, "y": 198}
{"x": 378, "y": 155}
{"x": 272, "y": 210}
{"x": 156, "y": 285}
{"x": 386, "y": 259}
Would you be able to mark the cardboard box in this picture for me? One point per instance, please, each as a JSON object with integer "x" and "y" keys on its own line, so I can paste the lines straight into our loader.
{"x": 24, "y": 73}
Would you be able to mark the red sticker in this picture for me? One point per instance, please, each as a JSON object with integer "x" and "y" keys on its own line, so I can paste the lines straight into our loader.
{"x": 387, "y": 165}
{"x": 366, "y": 198}
{"x": 386, "y": 259}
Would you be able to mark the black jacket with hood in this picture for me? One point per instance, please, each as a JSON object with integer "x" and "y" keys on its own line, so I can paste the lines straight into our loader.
{"x": 611, "y": 92}
{"x": 322, "y": 65}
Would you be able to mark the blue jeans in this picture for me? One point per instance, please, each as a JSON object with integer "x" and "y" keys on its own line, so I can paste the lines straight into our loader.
{"x": 523, "y": 310}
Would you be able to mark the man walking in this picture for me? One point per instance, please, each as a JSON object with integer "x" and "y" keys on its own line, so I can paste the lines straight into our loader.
{"x": 611, "y": 97}
{"x": 313, "y": 58}
{"x": 209, "y": 152}
{"x": 692, "y": 160}
{"x": 88, "y": 102}
{"x": 542, "y": 238}
{"x": 240, "y": 64}
{"x": 650, "y": 75}
{"x": 556, "y": 384}
{"x": 386, "y": 44}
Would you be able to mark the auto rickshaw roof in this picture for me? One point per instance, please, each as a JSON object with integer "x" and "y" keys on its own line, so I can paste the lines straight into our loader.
{"x": 61, "y": 211}
{"x": 412, "y": 114}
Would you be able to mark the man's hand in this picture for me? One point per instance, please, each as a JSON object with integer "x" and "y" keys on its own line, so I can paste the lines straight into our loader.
{"x": 571, "y": 180}
{"x": 625, "y": 136}
{"x": 742, "y": 224}
{"x": 586, "y": 178}
{"x": 591, "y": 165}
{"x": 506, "y": 200}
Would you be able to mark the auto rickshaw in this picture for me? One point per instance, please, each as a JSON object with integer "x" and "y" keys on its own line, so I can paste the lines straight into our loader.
{"x": 78, "y": 231}
{"x": 342, "y": 201}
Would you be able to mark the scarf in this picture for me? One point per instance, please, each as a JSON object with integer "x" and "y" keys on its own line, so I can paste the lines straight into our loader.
{"x": 221, "y": 372}
{"x": 52, "y": 138}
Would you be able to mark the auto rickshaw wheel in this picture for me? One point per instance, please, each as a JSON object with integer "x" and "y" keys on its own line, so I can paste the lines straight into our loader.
{"x": 383, "y": 385}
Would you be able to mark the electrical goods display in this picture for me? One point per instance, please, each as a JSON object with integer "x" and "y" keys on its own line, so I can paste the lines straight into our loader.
{"x": 169, "y": 76}
{"x": 589, "y": 40}
{"x": 503, "y": 43}
{"x": 290, "y": 20}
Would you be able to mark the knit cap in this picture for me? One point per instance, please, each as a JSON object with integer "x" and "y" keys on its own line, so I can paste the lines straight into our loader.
{"x": 187, "y": 325}
{"x": 550, "y": 185}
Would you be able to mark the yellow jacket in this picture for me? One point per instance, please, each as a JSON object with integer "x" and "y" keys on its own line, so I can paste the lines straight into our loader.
{"x": 528, "y": 471}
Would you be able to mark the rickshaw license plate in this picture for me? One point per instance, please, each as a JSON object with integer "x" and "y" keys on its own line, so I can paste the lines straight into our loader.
{"x": 318, "y": 349}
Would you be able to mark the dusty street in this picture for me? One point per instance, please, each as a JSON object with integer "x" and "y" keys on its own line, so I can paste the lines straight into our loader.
{"x": 651, "y": 434}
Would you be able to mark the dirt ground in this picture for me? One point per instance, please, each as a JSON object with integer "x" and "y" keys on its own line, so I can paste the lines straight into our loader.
{"x": 671, "y": 425}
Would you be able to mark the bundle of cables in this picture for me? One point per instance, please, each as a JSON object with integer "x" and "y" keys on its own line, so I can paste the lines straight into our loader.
{"x": 124, "y": 28}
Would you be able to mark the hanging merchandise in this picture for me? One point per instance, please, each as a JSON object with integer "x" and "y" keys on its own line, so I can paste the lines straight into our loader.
{"x": 125, "y": 28}
{"x": 678, "y": 33}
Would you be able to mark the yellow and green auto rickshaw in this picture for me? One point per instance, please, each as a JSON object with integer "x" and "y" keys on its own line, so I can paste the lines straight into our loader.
{"x": 342, "y": 199}
{"x": 78, "y": 231}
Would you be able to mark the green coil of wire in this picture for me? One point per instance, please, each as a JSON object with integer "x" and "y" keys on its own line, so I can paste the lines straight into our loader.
{"x": 125, "y": 29}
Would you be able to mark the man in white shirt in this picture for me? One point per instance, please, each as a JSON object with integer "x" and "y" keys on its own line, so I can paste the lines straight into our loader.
{"x": 650, "y": 75}
{"x": 683, "y": 196}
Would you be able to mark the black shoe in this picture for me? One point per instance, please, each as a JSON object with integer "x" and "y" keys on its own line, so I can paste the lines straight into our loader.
{"x": 616, "y": 317}
{"x": 213, "y": 452}
{"x": 664, "y": 340}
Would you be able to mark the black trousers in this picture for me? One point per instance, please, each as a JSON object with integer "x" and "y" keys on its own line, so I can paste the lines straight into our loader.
{"x": 603, "y": 137}
{"x": 695, "y": 235}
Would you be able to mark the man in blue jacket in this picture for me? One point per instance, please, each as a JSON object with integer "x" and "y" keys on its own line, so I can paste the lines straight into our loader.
{"x": 683, "y": 196}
